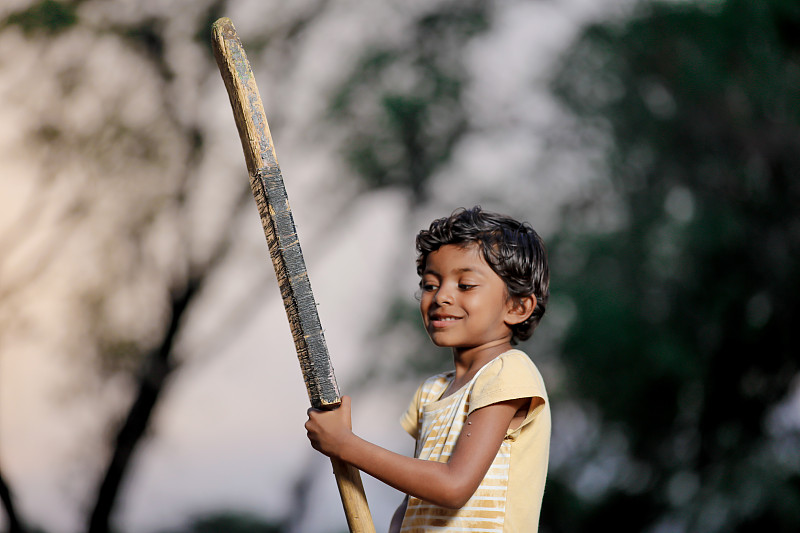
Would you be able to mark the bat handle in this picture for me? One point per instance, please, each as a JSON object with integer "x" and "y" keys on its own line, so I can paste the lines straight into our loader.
{"x": 354, "y": 501}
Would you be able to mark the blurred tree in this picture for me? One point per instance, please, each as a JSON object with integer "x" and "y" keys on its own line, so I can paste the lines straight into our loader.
{"x": 120, "y": 179}
{"x": 685, "y": 290}
{"x": 402, "y": 106}
{"x": 678, "y": 265}
{"x": 110, "y": 96}
{"x": 14, "y": 523}
{"x": 228, "y": 522}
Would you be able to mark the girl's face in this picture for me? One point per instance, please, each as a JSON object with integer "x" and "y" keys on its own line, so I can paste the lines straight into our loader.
{"x": 464, "y": 303}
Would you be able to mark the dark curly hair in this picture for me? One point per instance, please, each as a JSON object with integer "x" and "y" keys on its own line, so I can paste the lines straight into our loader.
{"x": 512, "y": 249}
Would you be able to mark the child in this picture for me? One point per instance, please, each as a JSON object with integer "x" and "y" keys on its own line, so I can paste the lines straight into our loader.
{"x": 483, "y": 429}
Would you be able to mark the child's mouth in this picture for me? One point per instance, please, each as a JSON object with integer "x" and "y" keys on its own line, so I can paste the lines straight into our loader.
{"x": 443, "y": 321}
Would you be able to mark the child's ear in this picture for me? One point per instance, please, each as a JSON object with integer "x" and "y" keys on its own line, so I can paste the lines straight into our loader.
{"x": 520, "y": 309}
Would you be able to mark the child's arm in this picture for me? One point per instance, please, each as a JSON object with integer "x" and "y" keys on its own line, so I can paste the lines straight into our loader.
{"x": 448, "y": 484}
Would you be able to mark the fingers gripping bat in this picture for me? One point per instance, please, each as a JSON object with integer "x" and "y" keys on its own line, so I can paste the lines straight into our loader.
{"x": 284, "y": 247}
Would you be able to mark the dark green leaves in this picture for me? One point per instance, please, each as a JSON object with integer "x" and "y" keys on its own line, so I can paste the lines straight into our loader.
{"x": 48, "y": 17}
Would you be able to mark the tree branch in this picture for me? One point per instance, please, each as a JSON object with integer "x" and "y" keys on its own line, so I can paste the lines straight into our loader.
{"x": 14, "y": 523}
{"x": 158, "y": 364}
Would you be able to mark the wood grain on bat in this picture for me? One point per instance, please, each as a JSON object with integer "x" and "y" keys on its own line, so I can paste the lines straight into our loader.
{"x": 284, "y": 246}
{"x": 276, "y": 216}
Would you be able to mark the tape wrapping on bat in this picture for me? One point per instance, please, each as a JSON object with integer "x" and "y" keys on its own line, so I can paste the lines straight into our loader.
{"x": 295, "y": 287}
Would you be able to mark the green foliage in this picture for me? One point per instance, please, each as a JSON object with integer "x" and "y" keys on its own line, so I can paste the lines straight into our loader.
{"x": 47, "y": 16}
{"x": 683, "y": 335}
{"x": 230, "y": 522}
{"x": 403, "y": 101}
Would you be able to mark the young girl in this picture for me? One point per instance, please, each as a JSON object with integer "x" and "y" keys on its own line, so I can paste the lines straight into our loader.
{"x": 482, "y": 429}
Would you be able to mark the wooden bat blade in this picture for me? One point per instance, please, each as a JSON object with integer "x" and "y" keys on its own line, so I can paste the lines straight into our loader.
{"x": 284, "y": 248}
{"x": 276, "y": 216}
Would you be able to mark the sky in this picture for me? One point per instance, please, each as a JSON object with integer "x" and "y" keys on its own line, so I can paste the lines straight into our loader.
{"x": 229, "y": 430}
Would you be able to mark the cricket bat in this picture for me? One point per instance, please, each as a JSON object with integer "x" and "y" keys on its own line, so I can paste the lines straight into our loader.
{"x": 284, "y": 248}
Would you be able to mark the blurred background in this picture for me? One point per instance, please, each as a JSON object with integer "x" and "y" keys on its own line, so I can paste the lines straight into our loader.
{"x": 148, "y": 381}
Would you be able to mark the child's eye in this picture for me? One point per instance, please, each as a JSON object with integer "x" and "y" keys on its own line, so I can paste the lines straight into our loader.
{"x": 427, "y": 287}
{"x": 465, "y": 286}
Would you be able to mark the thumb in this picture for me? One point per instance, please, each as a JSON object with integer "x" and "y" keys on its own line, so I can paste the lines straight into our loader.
{"x": 346, "y": 409}
{"x": 346, "y": 402}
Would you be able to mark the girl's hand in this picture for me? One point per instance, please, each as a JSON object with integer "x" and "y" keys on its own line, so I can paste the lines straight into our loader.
{"x": 329, "y": 431}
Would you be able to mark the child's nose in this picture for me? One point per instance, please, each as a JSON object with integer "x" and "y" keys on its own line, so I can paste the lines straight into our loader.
{"x": 444, "y": 296}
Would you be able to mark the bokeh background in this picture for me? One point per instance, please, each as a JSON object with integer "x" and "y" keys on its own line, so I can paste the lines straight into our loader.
{"x": 148, "y": 382}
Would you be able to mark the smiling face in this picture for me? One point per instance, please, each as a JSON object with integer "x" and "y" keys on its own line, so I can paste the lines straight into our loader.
{"x": 464, "y": 303}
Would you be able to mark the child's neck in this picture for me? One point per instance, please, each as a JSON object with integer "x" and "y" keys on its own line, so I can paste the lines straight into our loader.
{"x": 468, "y": 361}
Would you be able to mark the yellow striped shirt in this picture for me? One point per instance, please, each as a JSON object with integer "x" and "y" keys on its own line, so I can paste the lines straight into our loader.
{"x": 502, "y": 502}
